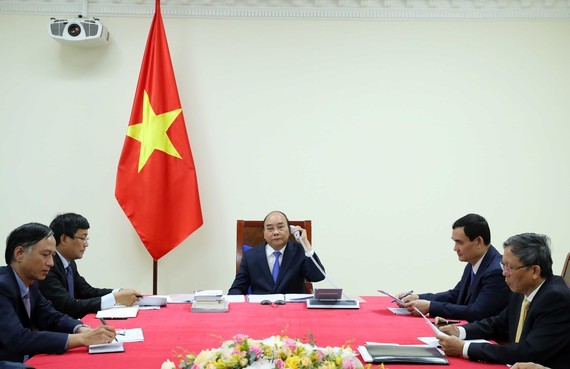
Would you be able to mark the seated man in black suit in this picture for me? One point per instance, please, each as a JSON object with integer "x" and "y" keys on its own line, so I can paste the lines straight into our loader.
{"x": 534, "y": 326}
{"x": 281, "y": 266}
{"x": 482, "y": 291}
{"x": 67, "y": 289}
{"x": 29, "y": 324}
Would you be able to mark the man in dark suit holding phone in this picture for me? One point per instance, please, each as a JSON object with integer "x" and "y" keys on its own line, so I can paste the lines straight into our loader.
{"x": 281, "y": 266}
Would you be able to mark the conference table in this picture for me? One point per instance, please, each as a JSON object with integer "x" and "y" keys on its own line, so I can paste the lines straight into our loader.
{"x": 174, "y": 330}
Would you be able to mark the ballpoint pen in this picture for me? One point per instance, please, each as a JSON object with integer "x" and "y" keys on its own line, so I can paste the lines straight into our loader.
{"x": 105, "y": 323}
{"x": 406, "y": 294}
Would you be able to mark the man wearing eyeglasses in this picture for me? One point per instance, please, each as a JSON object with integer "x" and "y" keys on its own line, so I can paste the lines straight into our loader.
{"x": 281, "y": 266}
{"x": 64, "y": 286}
{"x": 481, "y": 292}
{"x": 534, "y": 326}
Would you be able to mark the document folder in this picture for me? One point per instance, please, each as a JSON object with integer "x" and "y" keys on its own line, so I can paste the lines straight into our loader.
{"x": 406, "y": 354}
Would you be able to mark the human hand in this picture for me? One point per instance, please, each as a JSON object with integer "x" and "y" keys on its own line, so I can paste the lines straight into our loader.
{"x": 127, "y": 296}
{"x": 100, "y": 335}
{"x": 449, "y": 329}
{"x": 421, "y": 305}
{"x": 407, "y": 298}
{"x": 303, "y": 236}
{"x": 451, "y": 345}
{"x": 528, "y": 366}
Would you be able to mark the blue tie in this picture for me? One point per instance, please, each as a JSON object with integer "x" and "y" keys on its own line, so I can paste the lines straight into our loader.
{"x": 27, "y": 303}
{"x": 276, "y": 265}
{"x": 70, "y": 280}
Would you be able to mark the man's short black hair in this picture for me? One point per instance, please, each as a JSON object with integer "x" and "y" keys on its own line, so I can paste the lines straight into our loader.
{"x": 26, "y": 235}
{"x": 280, "y": 212}
{"x": 67, "y": 224}
{"x": 474, "y": 225}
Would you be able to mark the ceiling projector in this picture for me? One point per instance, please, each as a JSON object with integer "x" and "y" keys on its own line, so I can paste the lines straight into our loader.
{"x": 79, "y": 31}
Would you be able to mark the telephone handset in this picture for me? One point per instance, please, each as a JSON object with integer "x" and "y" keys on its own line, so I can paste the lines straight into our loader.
{"x": 296, "y": 234}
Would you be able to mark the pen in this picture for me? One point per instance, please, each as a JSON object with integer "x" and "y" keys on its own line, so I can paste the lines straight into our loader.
{"x": 105, "y": 323}
{"x": 406, "y": 294}
{"x": 446, "y": 322}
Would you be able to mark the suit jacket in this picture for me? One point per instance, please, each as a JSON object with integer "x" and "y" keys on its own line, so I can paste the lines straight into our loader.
{"x": 55, "y": 288}
{"x": 294, "y": 269}
{"x": 485, "y": 296}
{"x": 45, "y": 332}
{"x": 544, "y": 339}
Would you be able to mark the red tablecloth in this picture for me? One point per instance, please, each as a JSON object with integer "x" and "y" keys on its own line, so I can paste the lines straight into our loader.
{"x": 174, "y": 328}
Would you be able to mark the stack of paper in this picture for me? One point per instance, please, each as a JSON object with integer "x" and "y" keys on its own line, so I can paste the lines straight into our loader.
{"x": 214, "y": 306}
{"x": 119, "y": 312}
{"x": 106, "y": 347}
{"x": 209, "y": 295}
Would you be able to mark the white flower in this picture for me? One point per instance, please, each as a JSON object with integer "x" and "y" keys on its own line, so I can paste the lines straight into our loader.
{"x": 168, "y": 365}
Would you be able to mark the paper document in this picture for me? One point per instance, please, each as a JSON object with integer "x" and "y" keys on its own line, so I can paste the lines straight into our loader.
{"x": 107, "y": 347}
{"x": 432, "y": 326}
{"x": 234, "y": 298}
{"x": 432, "y": 341}
{"x": 180, "y": 298}
{"x": 298, "y": 297}
{"x": 398, "y": 301}
{"x": 259, "y": 298}
{"x": 399, "y": 311}
{"x": 130, "y": 335}
{"x": 118, "y": 312}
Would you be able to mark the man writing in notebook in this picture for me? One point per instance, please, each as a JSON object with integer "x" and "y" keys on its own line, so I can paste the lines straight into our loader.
{"x": 29, "y": 324}
{"x": 279, "y": 266}
{"x": 481, "y": 292}
{"x": 64, "y": 286}
{"x": 534, "y": 326}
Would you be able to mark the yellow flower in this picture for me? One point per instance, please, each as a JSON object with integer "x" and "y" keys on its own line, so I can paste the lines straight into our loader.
{"x": 292, "y": 362}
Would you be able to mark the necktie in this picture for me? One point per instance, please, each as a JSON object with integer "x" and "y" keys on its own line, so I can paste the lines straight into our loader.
{"x": 27, "y": 303}
{"x": 70, "y": 281}
{"x": 524, "y": 310}
{"x": 276, "y": 265}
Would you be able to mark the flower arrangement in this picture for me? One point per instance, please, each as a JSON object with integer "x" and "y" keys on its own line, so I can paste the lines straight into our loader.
{"x": 276, "y": 352}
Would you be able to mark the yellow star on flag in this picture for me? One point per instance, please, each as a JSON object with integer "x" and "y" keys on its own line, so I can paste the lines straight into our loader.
{"x": 151, "y": 132}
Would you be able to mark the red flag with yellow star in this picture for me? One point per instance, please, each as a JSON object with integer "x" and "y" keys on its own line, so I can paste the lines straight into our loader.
{"x": 156, "y": 178}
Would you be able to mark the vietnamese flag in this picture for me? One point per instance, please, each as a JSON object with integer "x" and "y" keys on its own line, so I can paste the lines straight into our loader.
{"x": 156, "y": 178}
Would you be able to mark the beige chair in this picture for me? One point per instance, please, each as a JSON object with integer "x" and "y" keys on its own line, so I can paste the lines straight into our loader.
{"x": 566, "y": 270}
{"x": 249, "y": 233}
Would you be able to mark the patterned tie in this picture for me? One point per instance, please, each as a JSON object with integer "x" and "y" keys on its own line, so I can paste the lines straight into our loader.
{"x": 276, "y": 265}
{"x": 524, "y": 310}
{"x": 27, "y": 303}
{"x": 70, "y": 280}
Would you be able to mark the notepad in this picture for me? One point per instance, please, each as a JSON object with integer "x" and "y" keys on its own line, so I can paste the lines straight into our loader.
{"x": 119, "y": 312}
{"x": 106, "y": 348}
{"x": 130, "y": 335}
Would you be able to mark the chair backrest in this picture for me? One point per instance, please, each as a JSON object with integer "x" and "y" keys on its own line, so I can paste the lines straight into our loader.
{"x": 566, "y": 270}
{"x": 249, "y": 233}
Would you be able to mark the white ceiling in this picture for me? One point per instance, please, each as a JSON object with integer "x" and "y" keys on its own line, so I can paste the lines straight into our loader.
{"x": 303, "y": 9}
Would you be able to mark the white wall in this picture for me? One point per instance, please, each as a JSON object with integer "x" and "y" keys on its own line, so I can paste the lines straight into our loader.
{"x": 382, "y": 133}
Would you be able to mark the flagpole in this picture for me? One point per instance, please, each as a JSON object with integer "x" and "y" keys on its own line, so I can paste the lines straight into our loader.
{"x": 154, "y": 277}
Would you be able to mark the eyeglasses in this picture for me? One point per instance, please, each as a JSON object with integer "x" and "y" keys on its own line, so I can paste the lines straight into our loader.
{"x": 84, "y": 239}
{"x": 280, "y": 229}
{"x": 273, "y": 304}
{"x": 508, "y": 269}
